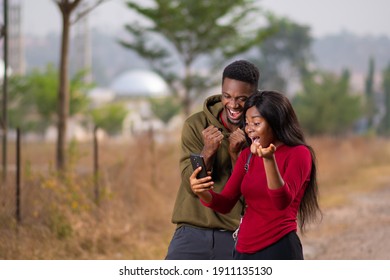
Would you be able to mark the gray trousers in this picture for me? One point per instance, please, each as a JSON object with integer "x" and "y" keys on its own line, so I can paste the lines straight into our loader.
{"x": 189, "y": 243}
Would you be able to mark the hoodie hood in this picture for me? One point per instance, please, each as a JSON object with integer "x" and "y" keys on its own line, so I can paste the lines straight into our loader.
{"x": 212, "y": 107}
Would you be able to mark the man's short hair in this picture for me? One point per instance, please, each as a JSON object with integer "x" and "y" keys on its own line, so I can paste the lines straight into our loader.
{"x": 242, "y": 70}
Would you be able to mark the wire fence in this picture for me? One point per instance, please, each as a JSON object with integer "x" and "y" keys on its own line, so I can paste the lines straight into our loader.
{"x": 12, "y": 191}
{"x": 96, "y": 169}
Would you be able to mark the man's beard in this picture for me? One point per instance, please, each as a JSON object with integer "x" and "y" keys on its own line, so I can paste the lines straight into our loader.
{"x": 234, "y": 122}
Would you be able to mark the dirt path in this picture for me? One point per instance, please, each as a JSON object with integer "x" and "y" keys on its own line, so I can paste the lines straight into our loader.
{"x": 358, "y": 230}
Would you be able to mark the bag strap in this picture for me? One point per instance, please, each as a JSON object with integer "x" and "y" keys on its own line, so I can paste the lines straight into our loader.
{"x": 246, "y": 167}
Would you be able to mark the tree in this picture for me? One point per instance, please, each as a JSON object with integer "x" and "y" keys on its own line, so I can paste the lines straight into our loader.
{"x": 110, "y": 117}
{"x": 33, "y": 103}
{"x": 326, "y": 104}
{"x": 164, "y": 108}
{"x": 20, "y": 104}
{"x": 177, "y": 36}
{"x": 67, "y": 9}
{"x": 370, "y": 94}
{"x": 285, "y": 53}
{"x": 384, "y": 127}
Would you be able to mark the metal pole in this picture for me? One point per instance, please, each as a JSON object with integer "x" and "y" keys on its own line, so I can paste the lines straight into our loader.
{"x": 18, "y": 181}
{"x": 5, "y": 97}
{"x": 96, "y": 165}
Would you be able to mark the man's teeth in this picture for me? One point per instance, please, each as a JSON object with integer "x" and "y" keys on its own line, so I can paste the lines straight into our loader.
{"x": 234, "y": 114}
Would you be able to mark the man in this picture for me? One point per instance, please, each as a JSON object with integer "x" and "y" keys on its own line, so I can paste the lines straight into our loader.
{"x": 215, "y": 134}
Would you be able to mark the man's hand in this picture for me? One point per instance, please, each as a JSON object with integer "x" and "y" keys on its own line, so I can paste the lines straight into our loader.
{"x": 212, "y": 139}
{"x": 236, "y": 142}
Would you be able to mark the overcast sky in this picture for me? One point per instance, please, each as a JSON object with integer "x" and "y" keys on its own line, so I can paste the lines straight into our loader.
{"x": 362, "y": 17}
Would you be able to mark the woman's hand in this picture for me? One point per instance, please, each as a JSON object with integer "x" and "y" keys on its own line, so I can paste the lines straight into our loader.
{"x": 201, "y": 187}
{"x": 274, "y": 179}
{"x": 266, "y": 153}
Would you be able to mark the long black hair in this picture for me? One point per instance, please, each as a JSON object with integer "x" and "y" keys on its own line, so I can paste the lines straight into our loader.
{"x": 276, "y": 108}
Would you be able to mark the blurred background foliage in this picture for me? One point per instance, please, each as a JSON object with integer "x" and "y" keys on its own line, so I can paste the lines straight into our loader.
{"x": 187, "y": 43}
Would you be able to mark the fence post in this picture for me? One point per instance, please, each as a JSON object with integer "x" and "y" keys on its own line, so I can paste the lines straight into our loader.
{"x": 152, "y": 149}
{"x": 18, "y": 176}
{"x": 4, "y": 120}
{"x": 96, "y": 165}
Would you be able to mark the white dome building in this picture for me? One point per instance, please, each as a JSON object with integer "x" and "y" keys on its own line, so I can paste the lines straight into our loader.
{"x": 135, "y": 87}
{"x": 139, "y": 83}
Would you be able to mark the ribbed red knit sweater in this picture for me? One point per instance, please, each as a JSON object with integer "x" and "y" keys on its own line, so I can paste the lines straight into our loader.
{"x": 270, "y": 214}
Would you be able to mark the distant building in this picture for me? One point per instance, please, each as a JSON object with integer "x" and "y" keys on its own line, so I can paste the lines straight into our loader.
{"x": 142, "y": 84}
{"x": 135, "y": 88}
{"x": 100, "y": 96}
{"x": 16, "y": 59}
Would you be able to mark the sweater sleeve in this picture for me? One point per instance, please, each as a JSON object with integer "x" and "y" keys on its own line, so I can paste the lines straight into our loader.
{"x": 224, "y": 201}
{"x": 295, "y": 173}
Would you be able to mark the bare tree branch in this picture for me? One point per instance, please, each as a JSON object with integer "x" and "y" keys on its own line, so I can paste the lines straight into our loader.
{"x": 87, "y": 10}
{"x": 67, "y": 6}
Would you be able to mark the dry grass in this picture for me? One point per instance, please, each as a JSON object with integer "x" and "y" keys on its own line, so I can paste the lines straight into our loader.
{"x": 138, "y": 182}
{"x": 353, "y": 164}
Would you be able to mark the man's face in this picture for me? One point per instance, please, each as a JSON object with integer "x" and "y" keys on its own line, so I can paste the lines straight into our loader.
{"x": 234, "y": 95}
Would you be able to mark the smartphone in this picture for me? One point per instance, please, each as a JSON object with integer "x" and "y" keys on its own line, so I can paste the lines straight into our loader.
{"x": 196, "y": 161}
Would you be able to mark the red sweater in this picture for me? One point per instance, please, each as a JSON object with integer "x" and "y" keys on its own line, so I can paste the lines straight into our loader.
{"x": 270, "y": 214}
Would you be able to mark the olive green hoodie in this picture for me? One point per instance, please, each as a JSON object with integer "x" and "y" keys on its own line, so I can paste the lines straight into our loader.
{"x": 188, "y": 209}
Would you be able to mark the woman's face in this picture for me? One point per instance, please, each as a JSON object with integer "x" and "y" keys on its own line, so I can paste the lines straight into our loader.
{"x": 257, "y": 128}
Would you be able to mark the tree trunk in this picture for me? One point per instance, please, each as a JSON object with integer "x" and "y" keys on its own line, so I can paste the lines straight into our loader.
{"x": 63, "y": 93}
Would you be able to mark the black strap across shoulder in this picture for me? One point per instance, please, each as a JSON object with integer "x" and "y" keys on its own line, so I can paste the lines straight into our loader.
{"x": 246, "y": 167}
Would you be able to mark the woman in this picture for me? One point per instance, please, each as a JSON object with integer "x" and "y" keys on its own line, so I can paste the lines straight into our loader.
{"x": 278, "y": 182}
